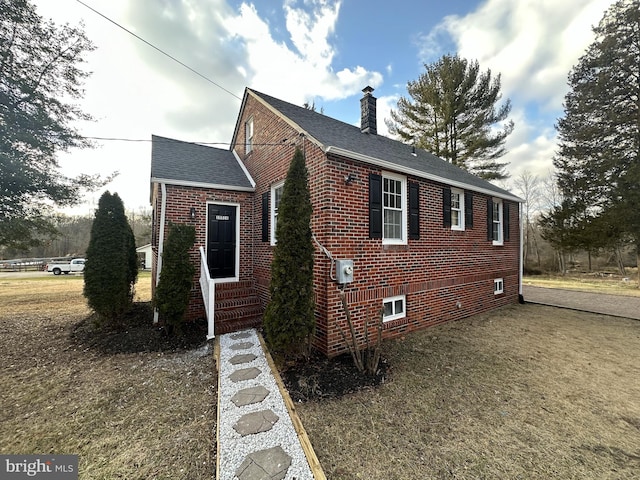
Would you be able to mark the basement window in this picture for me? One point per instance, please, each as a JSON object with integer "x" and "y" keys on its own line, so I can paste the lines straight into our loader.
{"x": 498, "y": 286}
{"x": 394, "y": 308}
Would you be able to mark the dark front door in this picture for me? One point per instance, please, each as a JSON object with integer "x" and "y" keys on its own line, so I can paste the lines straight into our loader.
{"x": 221, "y": 241}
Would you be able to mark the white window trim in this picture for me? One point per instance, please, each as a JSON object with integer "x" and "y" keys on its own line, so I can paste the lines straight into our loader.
{"x": 405, "y": 219}
{"x": 272, "y": 209}
{"x": 498, "y": 286}
{"x": 248, "y": 132}
{"x": 460, "y": 210}
{"x": 499, "y": 241}
{"x": 395, "y": 316}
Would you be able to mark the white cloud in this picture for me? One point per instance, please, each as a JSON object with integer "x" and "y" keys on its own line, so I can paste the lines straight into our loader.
{"x": 532, "y": 43}
{"x": 137, "y": 91}
{"x": 530, "y": 148}
{"x": 304, "y": 73}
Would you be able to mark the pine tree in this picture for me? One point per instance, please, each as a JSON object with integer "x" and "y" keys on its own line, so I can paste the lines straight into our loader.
{"x": 598, "y": 161}
{"x": 176, "y": 278}
{"x": 452, "y": 113}
{"x": 111, "y": 269}
{"x": 40, "y": 82}
{"x": 289, "y": 319}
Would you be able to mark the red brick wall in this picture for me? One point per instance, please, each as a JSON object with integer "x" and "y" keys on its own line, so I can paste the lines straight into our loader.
{"x": 445, "y": 275}
{"x": 274, "y": 144}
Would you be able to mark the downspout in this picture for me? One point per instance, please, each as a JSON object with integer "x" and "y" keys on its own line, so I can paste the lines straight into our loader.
{"x": 163, "y": 211}
{"x": 521, "y": 260}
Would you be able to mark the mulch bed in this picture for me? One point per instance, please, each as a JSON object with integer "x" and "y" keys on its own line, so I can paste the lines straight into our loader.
{"x": 135, "y": 332}
{"x": 321, "y": 378}
{"x": 314, "y": 379}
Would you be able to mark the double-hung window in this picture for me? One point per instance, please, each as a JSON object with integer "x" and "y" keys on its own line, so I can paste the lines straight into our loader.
{"x": 248, "y": 133}
{"x": 497, "y": 222}
{"x": 457, "y": 209}
{"x": 393, "y": 209}
{"x": 276, "y": 196}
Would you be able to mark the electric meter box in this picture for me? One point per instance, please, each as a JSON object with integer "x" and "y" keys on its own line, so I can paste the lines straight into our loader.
{"x": 344, "y": 271}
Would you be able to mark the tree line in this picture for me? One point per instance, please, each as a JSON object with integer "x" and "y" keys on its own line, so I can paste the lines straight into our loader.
{"x": 72, "y": 233}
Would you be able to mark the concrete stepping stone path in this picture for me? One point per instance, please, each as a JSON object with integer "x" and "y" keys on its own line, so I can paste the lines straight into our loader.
{"x": 256, "y": 436}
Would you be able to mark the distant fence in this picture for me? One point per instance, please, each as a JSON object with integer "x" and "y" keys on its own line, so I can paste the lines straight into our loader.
{"x": 29, "y": 264}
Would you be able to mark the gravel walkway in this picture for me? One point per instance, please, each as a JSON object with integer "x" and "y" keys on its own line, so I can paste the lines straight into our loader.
{"x": 256, "y": 436}
{"x": 616, "y": 305}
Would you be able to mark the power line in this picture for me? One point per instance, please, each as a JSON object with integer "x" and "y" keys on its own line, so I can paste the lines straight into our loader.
{"x": 118, "y": 139}
{"x": 159, "y": 50}
{"x": 169, "y": 140}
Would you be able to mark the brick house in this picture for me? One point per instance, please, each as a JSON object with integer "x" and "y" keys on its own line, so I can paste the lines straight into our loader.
{"x": 427, "y": 241}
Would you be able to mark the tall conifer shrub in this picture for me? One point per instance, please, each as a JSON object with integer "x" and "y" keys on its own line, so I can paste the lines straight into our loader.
{"x": 111, "y": 270}
{"x": 289, "y": 319}
{"x": 176, "y": 278}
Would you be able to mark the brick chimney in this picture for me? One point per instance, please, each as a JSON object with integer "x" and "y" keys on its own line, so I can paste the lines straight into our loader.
{"x": 368, "y": 122}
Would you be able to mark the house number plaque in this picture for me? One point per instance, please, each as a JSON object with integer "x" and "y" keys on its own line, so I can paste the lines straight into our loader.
{"x": 222, "y": 217}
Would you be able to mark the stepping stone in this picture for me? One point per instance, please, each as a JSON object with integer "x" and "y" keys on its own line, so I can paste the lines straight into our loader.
{"x": 247, "y": 396}
{"x": 244, "y": 374}
{"x": 270, "y": 464}
{"x": 241, "y": 346}
{"x": 238, "y": 336}
{"x": 256, "y": 422}
{"x": 245, "y": 358}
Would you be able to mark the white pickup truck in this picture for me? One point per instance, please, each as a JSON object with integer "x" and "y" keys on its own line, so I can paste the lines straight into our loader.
{"x": 75, "y": 265}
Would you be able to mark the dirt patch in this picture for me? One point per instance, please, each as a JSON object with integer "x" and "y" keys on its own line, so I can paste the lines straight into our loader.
{"x": 322, "y": 378}
{"x": 135, "y": 332}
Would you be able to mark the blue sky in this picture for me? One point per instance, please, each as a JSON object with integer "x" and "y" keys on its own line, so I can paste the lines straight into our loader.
{"x": 322, "y": 51}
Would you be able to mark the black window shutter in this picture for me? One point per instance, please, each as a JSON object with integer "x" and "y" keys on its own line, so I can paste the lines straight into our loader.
{"x": 375, "y": 206}
{"x": 414, "y": 210}
{"x": 446, "y": 207}
{"x": 489, "y": 218}
{"x": 468, "y": 210}
{"x": 265, "y": 217}
{"x": 505, "y": 220}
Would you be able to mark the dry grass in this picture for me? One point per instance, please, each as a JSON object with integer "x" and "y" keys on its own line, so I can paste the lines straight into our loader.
{"x": 133, "y": 416}
{"x": 612, "y": 284}
{"x": 527, "y": 392}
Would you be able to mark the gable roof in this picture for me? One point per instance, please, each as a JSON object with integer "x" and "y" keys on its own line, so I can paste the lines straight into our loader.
{"x": 340, "y": 138}
{"x": 189, "y": 164}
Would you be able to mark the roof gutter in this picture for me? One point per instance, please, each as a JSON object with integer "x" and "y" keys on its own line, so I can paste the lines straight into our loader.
{"x": 521, "y": 262}
{"x": 187, "y": 183}
{"x": 418, "y": 173}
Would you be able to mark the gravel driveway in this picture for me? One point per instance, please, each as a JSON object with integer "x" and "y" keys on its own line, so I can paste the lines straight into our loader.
{"x": 616, "y": 305}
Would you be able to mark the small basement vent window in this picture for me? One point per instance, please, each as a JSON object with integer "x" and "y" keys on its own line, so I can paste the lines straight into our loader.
{"x": 498, "y": 286}
{"x": 394, "y": 308}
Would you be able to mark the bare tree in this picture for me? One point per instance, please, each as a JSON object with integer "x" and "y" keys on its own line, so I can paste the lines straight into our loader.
{"x": 527, "y": 185}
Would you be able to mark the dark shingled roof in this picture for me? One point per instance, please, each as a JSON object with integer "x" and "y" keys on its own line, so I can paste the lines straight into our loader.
{"x": 345, "y": 139}
{"x": 185, "y": 163}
